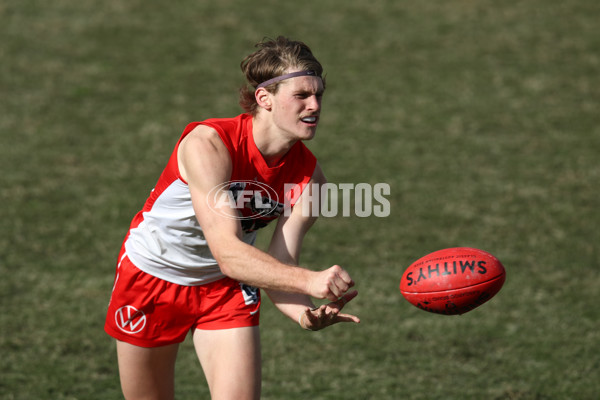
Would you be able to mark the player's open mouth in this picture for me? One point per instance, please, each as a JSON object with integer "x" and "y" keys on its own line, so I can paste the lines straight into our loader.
{"x": 310, "y": 120}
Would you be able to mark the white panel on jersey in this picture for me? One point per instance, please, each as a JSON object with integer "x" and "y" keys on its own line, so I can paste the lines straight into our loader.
{"x": 169, "y": 242}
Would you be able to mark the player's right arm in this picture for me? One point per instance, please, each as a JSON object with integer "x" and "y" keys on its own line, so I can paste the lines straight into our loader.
{"x": 205, "y": 164}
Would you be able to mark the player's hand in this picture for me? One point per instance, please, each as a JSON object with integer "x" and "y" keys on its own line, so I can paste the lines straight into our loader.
{"x": 330, "y": 284}
{"x": 328, "y": 314}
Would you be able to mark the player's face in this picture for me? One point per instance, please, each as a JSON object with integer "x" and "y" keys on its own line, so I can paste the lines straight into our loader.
{"x": 297, "y": 107}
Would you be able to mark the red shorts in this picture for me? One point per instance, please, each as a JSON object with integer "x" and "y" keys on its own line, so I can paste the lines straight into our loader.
{"x": 149, "y": 312}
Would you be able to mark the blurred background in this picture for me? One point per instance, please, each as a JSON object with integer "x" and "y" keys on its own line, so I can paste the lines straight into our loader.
{"x": 482, "y": 116}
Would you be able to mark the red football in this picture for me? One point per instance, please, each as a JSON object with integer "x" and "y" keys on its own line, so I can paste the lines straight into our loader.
{"x": 452, "y": 281}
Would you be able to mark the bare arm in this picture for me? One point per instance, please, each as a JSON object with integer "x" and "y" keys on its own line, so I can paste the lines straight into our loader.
{"x": 204, "y": 163}
{"x": 286, "y": 246}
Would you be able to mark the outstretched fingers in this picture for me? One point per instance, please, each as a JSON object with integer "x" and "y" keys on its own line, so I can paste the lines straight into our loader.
{"x": 341, "y": 303}
{"x": 328, "y": 314}
{"x": 345, "y": 299}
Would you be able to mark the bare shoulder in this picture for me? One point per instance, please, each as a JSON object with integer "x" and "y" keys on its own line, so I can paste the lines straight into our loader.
{"x": 201, "y": 137}
{"x": 202, "y": 150}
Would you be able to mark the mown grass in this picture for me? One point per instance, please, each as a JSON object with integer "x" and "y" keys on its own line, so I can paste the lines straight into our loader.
{"x": 482, "y": 116}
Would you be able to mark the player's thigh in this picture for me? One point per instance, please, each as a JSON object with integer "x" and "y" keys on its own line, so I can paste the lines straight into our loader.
{"x": 147, "y": 373}
{"x": 231, "y": 361}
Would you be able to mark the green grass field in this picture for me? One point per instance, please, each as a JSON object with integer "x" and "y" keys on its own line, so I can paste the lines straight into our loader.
{"x": 481, "y": 115}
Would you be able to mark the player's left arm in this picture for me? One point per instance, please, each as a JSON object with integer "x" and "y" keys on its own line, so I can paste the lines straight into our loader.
{"x": 286, "y": 245}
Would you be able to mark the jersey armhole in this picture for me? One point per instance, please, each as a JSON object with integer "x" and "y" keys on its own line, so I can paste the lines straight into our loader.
{"x": 189, "y": 128}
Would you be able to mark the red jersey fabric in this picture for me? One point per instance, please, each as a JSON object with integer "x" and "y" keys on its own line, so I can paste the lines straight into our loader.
{"x": 249, "y": 166}
{"x": 165, "y": 239}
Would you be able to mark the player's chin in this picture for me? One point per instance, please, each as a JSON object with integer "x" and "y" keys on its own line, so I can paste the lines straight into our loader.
{"x": 308, "y": 132}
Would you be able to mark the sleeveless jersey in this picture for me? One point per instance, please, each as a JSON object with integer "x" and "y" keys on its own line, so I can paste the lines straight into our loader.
{"x": 165, "y": 238}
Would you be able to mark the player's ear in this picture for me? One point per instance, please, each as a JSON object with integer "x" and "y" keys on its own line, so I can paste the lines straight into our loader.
{"x": 263, "y": 98}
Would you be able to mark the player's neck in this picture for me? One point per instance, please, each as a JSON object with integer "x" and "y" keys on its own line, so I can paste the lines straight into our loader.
{"x": 271, "y": 143}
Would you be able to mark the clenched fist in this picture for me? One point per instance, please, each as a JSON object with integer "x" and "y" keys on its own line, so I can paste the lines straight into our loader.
{"x": 330, "y": 284}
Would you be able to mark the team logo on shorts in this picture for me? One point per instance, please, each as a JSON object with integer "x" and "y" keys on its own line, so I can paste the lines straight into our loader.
{"x": 130, "y": 320}
{"x": 250, "y": 294}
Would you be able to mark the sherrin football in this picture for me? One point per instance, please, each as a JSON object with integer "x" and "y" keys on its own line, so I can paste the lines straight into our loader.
{"x": 452, "y": 281}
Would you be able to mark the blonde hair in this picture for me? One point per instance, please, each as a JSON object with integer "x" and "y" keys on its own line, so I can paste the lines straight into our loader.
{"x": 272, "y": 59}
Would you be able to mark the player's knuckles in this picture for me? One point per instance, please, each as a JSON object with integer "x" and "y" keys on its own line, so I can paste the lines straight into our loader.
{"x": 340, "y": 287}
{"x": 342, "y": 273}
{"x": 349, "y": 281}
{"x": 336, "y": 268}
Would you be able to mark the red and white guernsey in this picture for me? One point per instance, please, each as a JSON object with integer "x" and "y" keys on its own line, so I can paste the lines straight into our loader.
{"x": 165, "y": 238}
